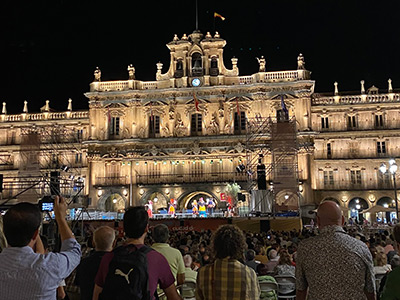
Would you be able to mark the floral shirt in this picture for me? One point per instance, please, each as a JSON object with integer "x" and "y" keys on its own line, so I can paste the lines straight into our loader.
{"x": 333, "y": 265}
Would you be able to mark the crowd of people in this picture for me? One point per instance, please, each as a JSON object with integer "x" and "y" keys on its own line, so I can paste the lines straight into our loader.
{"x": 327, "y": 261}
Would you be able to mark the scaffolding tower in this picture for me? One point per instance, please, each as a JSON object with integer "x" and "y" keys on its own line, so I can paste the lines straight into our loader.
{"x": 273, "y": 143}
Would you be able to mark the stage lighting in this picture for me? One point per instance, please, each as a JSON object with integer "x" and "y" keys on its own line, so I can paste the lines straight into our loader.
{"x": 240, "y": 168}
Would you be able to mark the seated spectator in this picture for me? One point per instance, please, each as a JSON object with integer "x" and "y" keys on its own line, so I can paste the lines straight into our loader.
{"x": 190, "y": 275}
{"x": 273, "y": 260}
{"x": 250, "y": 254}
{"x": 381, "y": 267}
{"x": 394, "y": 263}
{"x": 227, "y": 278}
{"x": 260, "y": 255}
{"x": 25, "y": 274}
{"x": 104, "y": 241}
{"x": 173, "y": 256}
{"x": 285, "y": 265}
{"x": 263, "y": 276}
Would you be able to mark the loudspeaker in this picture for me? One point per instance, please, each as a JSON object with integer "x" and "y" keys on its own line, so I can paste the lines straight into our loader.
{"x": 1, "y": 183}
{"x": 261, "y": 181}
{"x": 181, "y": 222}
{"x": 55, "y": 183}
{"x": 264, "y": 225}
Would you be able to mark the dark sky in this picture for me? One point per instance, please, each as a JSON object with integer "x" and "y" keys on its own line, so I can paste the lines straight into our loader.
{"x": 49, "y": 49}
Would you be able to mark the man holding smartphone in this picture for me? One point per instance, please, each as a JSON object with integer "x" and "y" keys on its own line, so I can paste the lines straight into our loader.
{"x": 26, "y": 272}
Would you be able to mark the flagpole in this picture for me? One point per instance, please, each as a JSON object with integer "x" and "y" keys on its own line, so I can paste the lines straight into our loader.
{"x": 197, "y": 18}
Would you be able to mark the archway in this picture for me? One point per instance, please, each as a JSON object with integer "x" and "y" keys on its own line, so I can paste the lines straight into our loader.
{"x": 388, "y": 216}
{"x": 185, "y": 200}
{"x": 287, "y": 200}
{"x": 356, "y": 206}
{"x": 159, "y": 200}
{"x": 114, "y": 203}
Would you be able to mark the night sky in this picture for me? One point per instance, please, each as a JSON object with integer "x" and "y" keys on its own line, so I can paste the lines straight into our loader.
{"x": 49, "y": 49}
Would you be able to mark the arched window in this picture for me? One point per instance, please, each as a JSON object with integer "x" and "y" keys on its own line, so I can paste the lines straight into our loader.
{"x": 239, "y": 122}
{"x": 154, "y": 126}
{"x": 197, "y": 64}
{"x": 214, "y": 66}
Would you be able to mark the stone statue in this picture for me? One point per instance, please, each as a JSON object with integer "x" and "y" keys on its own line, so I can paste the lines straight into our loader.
{"x": 97, "y": 74}
{"x": 214, "y": 126}
{"x": 221, "y": 109}
{"x": 261, "y": 62}
{"x": 171, "y": 111}
{"x": 300, "y": 62}
{"x": 179, "y": 125}
{"x": 131, "y": 72}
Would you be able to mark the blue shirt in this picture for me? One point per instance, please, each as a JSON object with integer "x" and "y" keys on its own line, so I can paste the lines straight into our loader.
{"x": 25, "y": 274}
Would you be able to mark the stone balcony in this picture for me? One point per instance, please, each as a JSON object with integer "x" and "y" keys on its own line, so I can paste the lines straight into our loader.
{"x": 356, "y": 99}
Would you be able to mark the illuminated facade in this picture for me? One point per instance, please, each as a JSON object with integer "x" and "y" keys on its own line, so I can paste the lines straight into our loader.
{"x": 184, "y": 135}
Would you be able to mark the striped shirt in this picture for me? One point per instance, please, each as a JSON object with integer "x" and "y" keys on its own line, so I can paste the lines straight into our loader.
{"x": 232, "y": 280}
{"x": 25, "y": 274}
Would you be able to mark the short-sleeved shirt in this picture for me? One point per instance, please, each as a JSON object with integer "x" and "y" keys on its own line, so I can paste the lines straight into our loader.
{"x": 25, "y": 274}
{"x": 157, "y": 268}
{"x": 334, "y": 266}
{"x": 232, "y": 281}
{"x": 173, "y": 256}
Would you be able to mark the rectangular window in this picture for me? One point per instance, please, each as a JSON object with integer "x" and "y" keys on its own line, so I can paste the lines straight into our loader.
{"x": 328, "y": 178}
{"x": 78, "y": 157}
{"x": 196, "y": 124}
{"x": 351, "y": 122}
{"x": 328, "y": 150}
{"x": 240, "y": 122}
{"x": 196, "y": 169}
{"x": 378, "y": 121}
{"x": 79, "y": 134}
{"x": 355, "y": 176}
{"x": 154, "y": 126}
{"x": 324, "y": 122}
{"x": 114, "y": 126}
{"x": 381, "y": 147}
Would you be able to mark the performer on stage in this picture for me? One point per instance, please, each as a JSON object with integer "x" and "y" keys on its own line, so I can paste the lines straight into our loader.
{"x": 171, "y": 209}
{"x": 210, "y": 206}
{"x": 150, "y": 208}
{"x": 195, "y": 208}
{"x": 202, "y": 208}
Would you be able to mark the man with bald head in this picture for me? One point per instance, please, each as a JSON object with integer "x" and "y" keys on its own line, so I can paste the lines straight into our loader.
{"x": 333, "y": 265}
{"x": 103, "y": 241}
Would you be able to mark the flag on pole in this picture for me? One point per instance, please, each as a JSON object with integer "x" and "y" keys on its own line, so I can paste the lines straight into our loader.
{"x": 237, "y": 106}
{"x": 196, "y": 102}
{"x": 217, "y": 15}
{"x": 109, "y": 115}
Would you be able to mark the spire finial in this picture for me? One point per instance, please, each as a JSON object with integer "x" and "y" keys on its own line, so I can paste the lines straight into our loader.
{"x": 25, "y": 110}
{"x": 47, "y": 106}
{"x": 69, "y": 108}
{"x": 390, "y": 85}
{"x": 362, "y": 87}
{"x": 4, "y": 111}
{"x": 336, "y": 88}
{"x": 197, "y": 17}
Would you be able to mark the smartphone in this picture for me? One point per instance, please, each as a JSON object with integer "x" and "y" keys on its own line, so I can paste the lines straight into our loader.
{"x": 47, "y": 206}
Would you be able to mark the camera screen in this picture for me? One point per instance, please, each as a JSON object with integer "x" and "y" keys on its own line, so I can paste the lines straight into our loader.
{"x": 47, "y": 206}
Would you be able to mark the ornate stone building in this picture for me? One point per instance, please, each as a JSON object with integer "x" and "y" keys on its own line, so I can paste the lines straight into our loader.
{"x": 201, "y": 126}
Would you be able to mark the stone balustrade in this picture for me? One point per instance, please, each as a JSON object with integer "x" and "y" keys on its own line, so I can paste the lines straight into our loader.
{"x": 365, "y": 98}
{"x": 45, "y": 116}
{"x": 123, "y": 85}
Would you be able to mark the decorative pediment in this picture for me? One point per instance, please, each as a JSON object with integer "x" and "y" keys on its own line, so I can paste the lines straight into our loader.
{"x": 113, "y": 152}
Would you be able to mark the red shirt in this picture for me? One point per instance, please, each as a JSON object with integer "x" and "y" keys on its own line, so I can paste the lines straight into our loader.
{"x": 157, "y": 268}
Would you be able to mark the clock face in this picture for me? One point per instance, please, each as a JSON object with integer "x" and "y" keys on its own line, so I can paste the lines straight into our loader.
{"x": 196, "y": 82}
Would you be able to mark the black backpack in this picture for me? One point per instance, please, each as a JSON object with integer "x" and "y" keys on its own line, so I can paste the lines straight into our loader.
{"x": 127, "y": 276}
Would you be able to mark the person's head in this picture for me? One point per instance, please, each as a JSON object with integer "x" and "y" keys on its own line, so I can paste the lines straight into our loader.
{"x": 381, "y": 258}
{"x": 229, "y": 241}
{"x": 329, "y": 213}
{"x": 396, "y": 235}
{"x": 21, "y": 224}
{"x": 103, "y": 238}
{"x": 272, "y": 254}
{"x": 262, "y": 269}
{"x": 136, "y": 222}
{"x": 250, "y": 255}
{"x": 395, "y": 261}
{"x": 284, "y": 258}
{"x": 160, "y": 233}
{"x": 188, "y": 260}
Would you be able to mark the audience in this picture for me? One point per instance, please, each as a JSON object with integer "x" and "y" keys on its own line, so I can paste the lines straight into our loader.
{"x": 250, "y": 261}
{"x": 391, "y": 289}
{"x": 103, "y": 242}
{"x": 227, "y": 277}
{"x": 263, "y": 276}
{"x": 26, "y": 272}
{"x": 273, "y": 260}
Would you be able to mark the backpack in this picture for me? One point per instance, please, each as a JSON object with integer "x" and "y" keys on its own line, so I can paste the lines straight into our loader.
{"x": 127, "y": 276}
